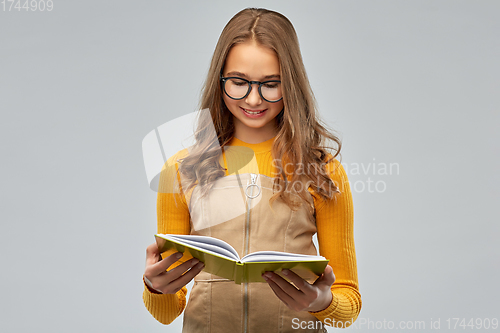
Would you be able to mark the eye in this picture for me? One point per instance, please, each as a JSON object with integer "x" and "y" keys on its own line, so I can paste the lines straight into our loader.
{"x": 271, "y": 85}
{"x": 238, "y": 82}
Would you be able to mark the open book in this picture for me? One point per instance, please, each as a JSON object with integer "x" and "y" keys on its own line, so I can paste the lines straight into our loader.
{"x": 221, "y": 259}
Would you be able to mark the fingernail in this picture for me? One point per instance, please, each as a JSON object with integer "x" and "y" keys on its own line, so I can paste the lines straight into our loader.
{"x": 285, "y": 271}
{"x": 178, "y": 255}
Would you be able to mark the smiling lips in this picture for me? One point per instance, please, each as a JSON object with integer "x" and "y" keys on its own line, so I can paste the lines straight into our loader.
{"x": 253, "y": 112}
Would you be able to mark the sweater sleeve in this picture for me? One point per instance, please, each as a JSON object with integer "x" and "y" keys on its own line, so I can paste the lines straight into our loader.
{"x": 173, "y": 218}
{"x": 334, "y": 220}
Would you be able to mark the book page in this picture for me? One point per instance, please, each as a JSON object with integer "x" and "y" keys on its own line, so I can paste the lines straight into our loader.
{"x": 265, "y": 256}
{"x": 208, "y": 244}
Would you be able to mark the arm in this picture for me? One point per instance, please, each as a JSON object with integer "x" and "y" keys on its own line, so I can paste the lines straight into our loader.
{"x": 173, "y": 218}
{"x": 334, "y": 220}
{"x": 334, "y": 301}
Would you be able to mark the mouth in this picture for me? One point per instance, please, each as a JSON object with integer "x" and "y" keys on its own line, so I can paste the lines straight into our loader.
{"x": 253, "y": 112}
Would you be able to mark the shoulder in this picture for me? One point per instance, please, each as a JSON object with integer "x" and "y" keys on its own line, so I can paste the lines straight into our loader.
{"x": 169, "y": 178}
{"x": 172, "y": 162}
{"x": 334, "y": 169}
{"x": 331, "y": 168}
{"x": 174, "y": 159}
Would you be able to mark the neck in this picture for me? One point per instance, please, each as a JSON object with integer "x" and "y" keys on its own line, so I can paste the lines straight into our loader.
{"x": 255, "y": 135}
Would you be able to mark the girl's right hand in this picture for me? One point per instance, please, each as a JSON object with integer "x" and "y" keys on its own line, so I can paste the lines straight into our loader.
{"x": 158, "y": 278}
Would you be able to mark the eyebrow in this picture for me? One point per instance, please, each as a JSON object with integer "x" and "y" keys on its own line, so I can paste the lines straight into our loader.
{"x": 234, "y": 73}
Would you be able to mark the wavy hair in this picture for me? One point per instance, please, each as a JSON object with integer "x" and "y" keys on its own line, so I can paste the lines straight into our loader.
{"x": 302, "y": 136}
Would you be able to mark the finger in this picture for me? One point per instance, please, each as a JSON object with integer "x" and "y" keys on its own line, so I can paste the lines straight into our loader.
{"x": 284, "y": 297}
{"x": 327, "y": 278}
{"x": 177, "y": 271}
{"x": 162, "y": 281}
{"x": 177, "y": 284}
{"x": 150, "y": 284}
{"x": 152, "y": 254}
{"x": 299, "y": 282}
{"x": 162, "y": 266}
{"x": 284, "y": 285}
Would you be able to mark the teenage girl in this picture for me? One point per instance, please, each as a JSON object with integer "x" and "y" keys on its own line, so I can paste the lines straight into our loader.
{"x": 260, "y": 100}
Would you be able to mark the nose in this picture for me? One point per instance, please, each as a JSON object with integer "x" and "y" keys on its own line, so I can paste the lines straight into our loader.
{"x": 253, "y": 97}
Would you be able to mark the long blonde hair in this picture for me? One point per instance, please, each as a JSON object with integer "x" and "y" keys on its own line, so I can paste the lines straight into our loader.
{"x": 302, "y": 136}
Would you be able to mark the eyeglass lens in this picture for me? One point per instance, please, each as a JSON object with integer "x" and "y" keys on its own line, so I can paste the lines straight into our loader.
{"x": 236, "y": 88}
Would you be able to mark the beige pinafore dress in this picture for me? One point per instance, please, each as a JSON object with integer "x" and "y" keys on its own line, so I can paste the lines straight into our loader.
{"x": 237, "y": 211}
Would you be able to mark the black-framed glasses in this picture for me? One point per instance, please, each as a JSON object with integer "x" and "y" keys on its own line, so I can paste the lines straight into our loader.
{"x": 239, "y": 88}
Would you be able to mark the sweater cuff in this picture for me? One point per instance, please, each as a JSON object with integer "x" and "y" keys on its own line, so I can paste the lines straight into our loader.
{"x": 164, "y": 307}
{"x": 329, "y": 311}
{"x": 151, "y": 290}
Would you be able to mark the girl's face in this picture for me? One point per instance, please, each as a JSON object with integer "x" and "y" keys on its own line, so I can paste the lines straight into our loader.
{"x": 254, "y": 63}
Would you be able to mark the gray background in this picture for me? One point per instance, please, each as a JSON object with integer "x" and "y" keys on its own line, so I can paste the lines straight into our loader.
{"x": 409, "y": 82}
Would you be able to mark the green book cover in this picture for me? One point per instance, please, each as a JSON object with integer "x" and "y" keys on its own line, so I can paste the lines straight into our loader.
{"x": 221, "y": 259}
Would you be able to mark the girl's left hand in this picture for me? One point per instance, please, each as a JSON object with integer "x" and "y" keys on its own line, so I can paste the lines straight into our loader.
{"x": 303, "y": 296}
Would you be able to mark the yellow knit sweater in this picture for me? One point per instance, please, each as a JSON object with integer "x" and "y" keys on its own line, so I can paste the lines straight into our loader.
{"x": 334, "y": 221}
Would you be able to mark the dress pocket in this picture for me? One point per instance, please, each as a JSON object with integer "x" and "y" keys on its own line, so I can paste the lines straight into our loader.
{"x": 226, "y": 312}
{"x": 196, "y": 317}
{"x": 214, "y": 306}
